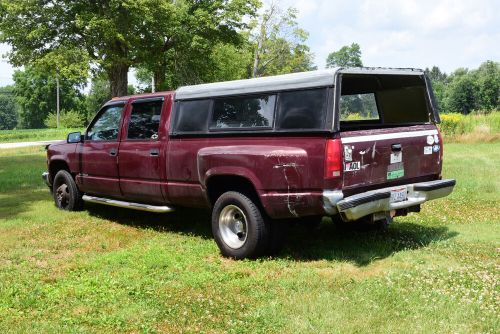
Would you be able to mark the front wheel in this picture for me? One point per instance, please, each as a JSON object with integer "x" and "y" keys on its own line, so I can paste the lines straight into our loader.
{"x": 66, "y": 194}
{"x": 239, "y": 227}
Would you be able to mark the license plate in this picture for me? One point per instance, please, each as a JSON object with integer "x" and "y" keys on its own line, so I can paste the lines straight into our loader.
{"x": 398, "y": 195}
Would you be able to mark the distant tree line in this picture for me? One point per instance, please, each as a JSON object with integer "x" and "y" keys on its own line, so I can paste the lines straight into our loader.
{"x": 465, "y": 90}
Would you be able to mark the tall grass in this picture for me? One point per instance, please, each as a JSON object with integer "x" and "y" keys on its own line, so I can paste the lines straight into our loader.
{"x": 472, "y": 127}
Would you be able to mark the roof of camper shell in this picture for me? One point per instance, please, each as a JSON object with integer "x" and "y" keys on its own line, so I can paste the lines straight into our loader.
{"x": 319, "y": 78}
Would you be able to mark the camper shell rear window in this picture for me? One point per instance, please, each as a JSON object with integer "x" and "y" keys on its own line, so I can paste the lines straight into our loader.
{"x": 369, "y": 101}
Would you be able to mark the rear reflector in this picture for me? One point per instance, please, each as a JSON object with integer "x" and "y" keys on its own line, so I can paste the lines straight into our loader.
{"x": 440, "y": 144}
{"x": 333, "y": 159}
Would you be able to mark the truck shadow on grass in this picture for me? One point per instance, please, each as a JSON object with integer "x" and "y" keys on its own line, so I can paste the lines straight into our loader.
{"x": 326, "y": 243}
{"x": 18, "y": 202}
{"x": 360, "y": 247}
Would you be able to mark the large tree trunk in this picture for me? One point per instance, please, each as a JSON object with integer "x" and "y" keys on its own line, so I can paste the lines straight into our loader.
{"x": 118, "y": 79}
{"x": 160, "y": 77}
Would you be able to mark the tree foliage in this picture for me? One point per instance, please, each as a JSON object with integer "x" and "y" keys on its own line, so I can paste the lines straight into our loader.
{"x": 114, "y": 35}
{"x": 36, "y": 95}
{"x": 347, "y": 56}
{"x": 8, "y": 108}
{"x": 279, "y": 43}
{"x": 466, "y": 90}
{"x": 98, "y": 95}
{"x": 270, "y": 44}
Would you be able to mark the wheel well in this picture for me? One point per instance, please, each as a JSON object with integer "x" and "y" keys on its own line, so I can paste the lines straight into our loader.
{"x": 56, "y": 166}
{"x": 217, "y": 185}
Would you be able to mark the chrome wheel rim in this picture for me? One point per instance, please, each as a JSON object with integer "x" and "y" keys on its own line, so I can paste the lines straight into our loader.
{"x": 233, "y": 226}
{"x": 62, "y": 195}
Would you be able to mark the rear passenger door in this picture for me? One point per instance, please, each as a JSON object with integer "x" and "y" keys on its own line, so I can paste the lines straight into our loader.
{"x": 140, "y": 156}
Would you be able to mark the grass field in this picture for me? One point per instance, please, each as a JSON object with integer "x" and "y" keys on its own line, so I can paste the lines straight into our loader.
{"x": 12, "y": 136}
{"x": 114, "y": 270}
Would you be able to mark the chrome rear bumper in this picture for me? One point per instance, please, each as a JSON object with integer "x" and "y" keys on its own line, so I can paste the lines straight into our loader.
{"x": 379, "y": 200}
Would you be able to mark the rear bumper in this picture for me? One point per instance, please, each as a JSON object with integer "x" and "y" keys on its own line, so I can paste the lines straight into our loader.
{"x": 46, "y": 178}
{"x": 360, "y": 205}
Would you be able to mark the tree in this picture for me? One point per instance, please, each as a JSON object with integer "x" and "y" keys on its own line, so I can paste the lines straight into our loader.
{"x": 460, "y": 93}
{"x": 436, "y": 75}
{"x": 179, "y": 50}
{"x": 8, "y": 112}
{"x": 115, "y": 35}
{"x": 347, "y": 56}
{"x": 439, "y": 82}
{"x": 488, "y": 82}
{"x": 222, "y": 62}
{"x": 36, "y": 95}
{"x": 98, "y": 95}
{"x": 279, "y": 43}
{"x": 467, "y": 90}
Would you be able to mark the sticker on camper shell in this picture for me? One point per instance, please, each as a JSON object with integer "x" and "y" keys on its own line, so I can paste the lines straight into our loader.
{"x": 352, "y": 166}
{"x": 427, "y": 149}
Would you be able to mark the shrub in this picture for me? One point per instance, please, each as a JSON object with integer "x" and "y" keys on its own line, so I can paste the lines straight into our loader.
{"x": 477, "y": 126}
{"x": 69, "y": 119}
{"x": 451, "y": 123}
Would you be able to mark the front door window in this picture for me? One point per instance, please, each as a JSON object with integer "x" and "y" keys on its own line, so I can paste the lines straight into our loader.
{"x": 106, "y": 125}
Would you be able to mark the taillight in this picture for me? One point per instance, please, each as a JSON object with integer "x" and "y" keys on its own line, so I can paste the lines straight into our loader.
{"x": 333, "y": 159}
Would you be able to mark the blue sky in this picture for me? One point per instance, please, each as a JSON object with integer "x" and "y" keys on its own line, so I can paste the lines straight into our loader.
{"x": 405, "y": 33}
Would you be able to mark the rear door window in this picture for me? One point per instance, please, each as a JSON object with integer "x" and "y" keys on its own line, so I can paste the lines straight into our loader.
{"x": 243, "y": 112}
{"x": 144, "y": 120}
{"x": 305, "y": 109}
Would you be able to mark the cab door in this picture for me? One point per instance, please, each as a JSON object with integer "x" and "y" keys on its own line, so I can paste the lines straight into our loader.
{"x": 141, "y": 158}
{"x": 99, "y": 153}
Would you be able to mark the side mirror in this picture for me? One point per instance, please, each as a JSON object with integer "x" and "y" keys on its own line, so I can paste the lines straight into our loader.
{"x": 74, "y": 137}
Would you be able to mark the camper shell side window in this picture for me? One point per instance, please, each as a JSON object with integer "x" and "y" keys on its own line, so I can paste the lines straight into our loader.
{"x": 304, "y": 110}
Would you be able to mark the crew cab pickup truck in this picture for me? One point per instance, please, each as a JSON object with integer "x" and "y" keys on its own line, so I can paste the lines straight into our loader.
{"x": 359, "y": 143}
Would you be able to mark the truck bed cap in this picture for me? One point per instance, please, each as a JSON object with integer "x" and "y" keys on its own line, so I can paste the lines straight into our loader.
{"x": 311, "y": 79}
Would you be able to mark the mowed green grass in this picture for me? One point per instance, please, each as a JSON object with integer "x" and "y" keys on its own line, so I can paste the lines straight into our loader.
{"x": 114, "y": 270}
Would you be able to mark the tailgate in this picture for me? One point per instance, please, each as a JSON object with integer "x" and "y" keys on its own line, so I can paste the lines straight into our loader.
{"x": 390, "y": 155}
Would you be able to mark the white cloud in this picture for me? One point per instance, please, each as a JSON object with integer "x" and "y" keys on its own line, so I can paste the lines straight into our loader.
{"x": 408, "y": 33}
{"x": 6, "y": 70}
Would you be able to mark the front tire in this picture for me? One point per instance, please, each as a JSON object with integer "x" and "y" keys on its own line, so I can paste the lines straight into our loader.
{"x": 239, "y": 227}
{"x": 66, "y": 194}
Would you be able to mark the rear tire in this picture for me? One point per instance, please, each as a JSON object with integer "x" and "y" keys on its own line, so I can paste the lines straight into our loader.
{"x": 66, "y": 194}
{"x": 238, "y": 226}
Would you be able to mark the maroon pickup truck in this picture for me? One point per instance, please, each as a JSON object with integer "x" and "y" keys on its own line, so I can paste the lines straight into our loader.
{"x": 346, "y": 143}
